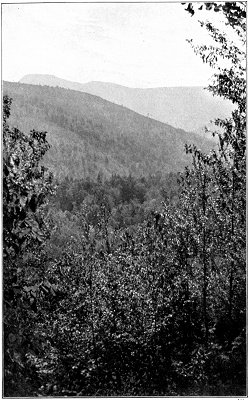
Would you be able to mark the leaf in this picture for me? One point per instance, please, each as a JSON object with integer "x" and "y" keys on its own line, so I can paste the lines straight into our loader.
{"x": 25, "y": 232}
{"x": 12, "y": 338}
{"x": 23, "y": 201}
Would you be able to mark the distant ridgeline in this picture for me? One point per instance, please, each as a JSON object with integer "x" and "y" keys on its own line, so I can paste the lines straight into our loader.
{"x": 89, "y": 135}
{"x": 188, "y": 108}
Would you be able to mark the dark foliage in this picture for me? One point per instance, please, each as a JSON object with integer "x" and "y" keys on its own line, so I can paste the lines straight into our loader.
{"x": 127, "y": 297}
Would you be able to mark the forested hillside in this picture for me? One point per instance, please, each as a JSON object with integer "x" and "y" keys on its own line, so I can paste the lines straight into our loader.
{"x": 188, "y": 108}
{"x": 115, "y": 283}
{"x": 89, "y": 135}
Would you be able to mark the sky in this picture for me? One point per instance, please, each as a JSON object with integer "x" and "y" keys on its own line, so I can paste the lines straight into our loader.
{"x": 132, "y": 44}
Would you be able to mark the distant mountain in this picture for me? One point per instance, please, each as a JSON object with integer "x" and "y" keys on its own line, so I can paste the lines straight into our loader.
{"x": 51, "y": 80}
{"x": 188, "y": 108}
{"x": 89, "y": 134}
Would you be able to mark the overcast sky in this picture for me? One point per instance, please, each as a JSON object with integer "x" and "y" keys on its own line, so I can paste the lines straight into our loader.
{"x": 137, "y": 45}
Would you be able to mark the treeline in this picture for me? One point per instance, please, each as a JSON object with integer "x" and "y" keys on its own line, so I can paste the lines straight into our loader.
{"x": 128, "y": 199}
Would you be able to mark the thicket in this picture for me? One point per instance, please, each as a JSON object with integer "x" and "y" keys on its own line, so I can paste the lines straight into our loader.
{"x": 154, "y": 308}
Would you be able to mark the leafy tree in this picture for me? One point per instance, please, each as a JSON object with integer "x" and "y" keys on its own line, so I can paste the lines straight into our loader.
{"x": 229, "y": 163}
{"x": 212, "y": 206}
{"x": 26, "y": 185}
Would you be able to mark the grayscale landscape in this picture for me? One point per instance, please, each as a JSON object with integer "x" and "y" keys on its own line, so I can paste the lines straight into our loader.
{"x": 124, "y": 199}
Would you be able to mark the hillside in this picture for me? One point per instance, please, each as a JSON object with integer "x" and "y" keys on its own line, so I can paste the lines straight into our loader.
{"x": 188, "y": 108}
{"x": 89, "y": 135}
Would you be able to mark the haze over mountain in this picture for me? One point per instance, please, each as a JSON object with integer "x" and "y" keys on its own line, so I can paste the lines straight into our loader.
{"x": 188, "y": 108}
{"x": 89, "y": 135}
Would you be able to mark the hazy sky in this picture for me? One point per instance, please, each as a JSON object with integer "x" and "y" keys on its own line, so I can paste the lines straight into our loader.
{"x": 138, "y": 45}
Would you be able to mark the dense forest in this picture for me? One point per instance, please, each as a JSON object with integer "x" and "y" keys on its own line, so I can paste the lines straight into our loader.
{"x": 88, "y": 134}
{"x": 130, "y": 284}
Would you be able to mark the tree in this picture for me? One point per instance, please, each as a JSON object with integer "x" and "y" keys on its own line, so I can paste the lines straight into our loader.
{"x": 26, "y": 186}
{"x": 229, "y": 162}
{"x": 212, "y": 207}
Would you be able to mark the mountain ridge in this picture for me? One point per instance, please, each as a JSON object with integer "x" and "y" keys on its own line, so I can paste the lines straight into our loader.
{"x": 89, "y": 134}
{"x": 189, "y": 108}
{"x": 27, "y": 77}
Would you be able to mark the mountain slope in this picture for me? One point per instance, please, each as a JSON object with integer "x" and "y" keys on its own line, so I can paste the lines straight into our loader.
{"x": 89, "y": 134}
{"x": 188, "y": 108}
